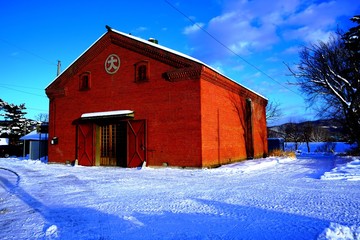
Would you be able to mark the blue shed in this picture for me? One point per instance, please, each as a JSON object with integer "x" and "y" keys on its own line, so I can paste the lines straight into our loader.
{"x": 37, "y": 144}
{"x": 276, "y": 144}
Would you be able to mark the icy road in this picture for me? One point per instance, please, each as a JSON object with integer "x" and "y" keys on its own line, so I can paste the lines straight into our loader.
{"x": 313, "y": 197}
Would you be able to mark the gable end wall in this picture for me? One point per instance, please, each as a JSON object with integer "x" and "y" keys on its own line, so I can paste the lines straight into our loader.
{"x": 223, "y": 124}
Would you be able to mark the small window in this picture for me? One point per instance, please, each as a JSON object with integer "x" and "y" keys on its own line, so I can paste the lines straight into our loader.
{"x": 142, "y": 71}
{"x": 84, "y": 83}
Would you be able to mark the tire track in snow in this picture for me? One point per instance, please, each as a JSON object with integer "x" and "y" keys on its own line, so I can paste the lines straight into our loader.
{"x": 6, "y": 179}
{"x": 9, "y": 181}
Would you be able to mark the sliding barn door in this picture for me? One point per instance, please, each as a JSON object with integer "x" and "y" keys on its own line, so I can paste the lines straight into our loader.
{"x": 85, "y": 144}
{"x": 136, "y": 136}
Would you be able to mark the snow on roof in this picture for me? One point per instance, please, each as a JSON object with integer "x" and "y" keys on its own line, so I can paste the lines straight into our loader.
{"x": 35, "y": 136}
{"x": 4, "y": 141}
{"x": 162, "y": 48}
{"x": 181, "y": 55}
{"x": 118, "y": 113}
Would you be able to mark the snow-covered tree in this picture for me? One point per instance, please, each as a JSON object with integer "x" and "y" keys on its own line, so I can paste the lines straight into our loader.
{"x": 2, "y": 104}
{"x": 329, "y": 75}
{"x": 352, "y": 38}
{"x": 17, "y": 124}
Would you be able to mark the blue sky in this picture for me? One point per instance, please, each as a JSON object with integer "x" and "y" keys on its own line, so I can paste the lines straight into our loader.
{"x": 249, "y": 41}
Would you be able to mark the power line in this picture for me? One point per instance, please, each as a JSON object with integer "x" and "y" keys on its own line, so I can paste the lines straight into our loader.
{"x": 34, "y": 94}
{"x": 229, "y": 49}
{"x": 18, "y": 86}
{"x": 37, "y": 109}
{"x": 29, "y": 52}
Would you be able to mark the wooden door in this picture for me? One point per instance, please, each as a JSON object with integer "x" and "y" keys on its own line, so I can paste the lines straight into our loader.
{"x": 108, "y": 147}
{"x": 136, "y": 143}
{"x": 85, "y": 144}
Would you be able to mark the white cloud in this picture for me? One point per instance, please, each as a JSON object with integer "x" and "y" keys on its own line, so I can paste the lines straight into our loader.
{"x": 317, "y": 21}
{"x": 256, "y": 75}
{"x": 223, "y": 18}
{"x": 241, "y": 47}
{"x": 193, "y": 28}
{"x": 272, "y": 59}
{"x": 318, "y": 35}
{"x": 220, "y": 69}
{"x": 292, "y": 50}
{"x": 141, "y": 29}
{"x": 266, "y": 34}
{"x": 308, "y": 35}
{"x": 249, "y": 27}
{"x": 238, "y": 67}
{"x": 241, "y": 34}
{"x": 316, "y": 15}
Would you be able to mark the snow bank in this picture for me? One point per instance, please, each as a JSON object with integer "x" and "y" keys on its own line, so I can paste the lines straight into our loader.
{"x": 256, "y": 164}
{"x": 337, "y": 231}
{"x": 349, "y": 171}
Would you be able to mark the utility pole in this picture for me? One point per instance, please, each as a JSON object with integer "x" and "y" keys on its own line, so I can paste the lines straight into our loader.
{"x": 24, "y": 142}
{"x": 58, "y": 68}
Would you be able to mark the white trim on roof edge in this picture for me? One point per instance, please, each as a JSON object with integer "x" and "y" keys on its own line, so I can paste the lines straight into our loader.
{"x": 162, "y": 48}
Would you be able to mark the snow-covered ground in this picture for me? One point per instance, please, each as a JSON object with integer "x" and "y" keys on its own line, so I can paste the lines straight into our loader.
{"x": 316, "y": 196}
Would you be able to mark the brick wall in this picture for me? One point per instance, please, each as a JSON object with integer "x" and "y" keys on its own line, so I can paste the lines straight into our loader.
{"x": 191, "y": 122}
{"x": 170, "y": 108}
{"x": 223, "y": 105}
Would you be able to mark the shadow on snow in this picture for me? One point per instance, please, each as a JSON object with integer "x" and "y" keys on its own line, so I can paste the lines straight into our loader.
{"x": 229, "y": 221}
{"x": 319, "y": 164}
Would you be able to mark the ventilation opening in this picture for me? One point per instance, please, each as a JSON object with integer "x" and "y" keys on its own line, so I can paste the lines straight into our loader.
{"x": 153, "y": 40}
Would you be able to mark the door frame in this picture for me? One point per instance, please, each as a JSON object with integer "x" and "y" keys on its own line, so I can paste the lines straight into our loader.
{"x": 136, "y": 142}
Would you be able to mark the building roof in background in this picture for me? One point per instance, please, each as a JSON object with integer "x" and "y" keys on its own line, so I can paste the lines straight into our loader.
{"x": 34, "y": 136}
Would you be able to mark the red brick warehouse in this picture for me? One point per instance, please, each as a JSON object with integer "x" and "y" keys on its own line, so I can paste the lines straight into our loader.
{"x": 126, "y": 100}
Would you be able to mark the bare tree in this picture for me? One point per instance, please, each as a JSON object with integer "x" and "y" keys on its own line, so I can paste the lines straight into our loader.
{"x": 42, "y": 117}
{"x": 306, "y": 130}
{"x": 320, "y": 134}
{"x": 273, "y": 111}
{"x": 329, "y": 74}
{"x": 293, "y": 134}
